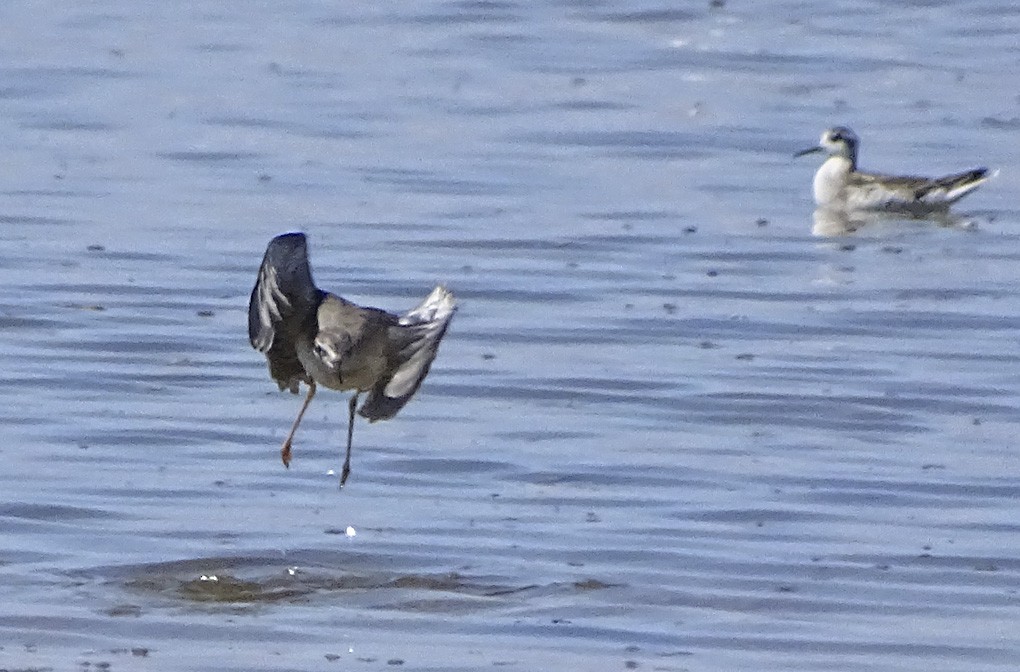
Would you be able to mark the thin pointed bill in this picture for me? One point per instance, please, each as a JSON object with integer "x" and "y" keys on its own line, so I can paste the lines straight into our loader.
{"x": 809, "y": 150}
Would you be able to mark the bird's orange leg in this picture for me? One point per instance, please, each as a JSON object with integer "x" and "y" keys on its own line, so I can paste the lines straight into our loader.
{"x": 285, "y": 450}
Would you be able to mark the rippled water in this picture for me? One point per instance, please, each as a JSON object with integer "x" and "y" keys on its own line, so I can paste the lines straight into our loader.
{"x": 676, "y": 425}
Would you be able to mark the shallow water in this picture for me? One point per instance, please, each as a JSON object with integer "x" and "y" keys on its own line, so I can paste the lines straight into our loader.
{"x": 671, "y": 427}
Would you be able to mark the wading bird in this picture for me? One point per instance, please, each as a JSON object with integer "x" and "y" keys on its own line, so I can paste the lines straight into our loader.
{"x": 838, "y": 185}
{"x": 317, "y": 338}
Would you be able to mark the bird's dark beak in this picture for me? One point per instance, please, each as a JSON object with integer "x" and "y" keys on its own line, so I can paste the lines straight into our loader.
{"x": 809, "y": 150}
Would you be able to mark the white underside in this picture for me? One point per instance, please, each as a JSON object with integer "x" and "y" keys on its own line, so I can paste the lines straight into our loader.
{"x": 830, "y": 182}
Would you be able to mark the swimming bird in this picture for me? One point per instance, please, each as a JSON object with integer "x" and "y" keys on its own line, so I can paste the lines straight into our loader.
{"x": 317, "y": 338}
{"x": 839, "y": 185}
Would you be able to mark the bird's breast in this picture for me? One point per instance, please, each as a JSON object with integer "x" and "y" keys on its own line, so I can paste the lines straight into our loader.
{"x": 358, "y": 369}
{"x": 830, "y": 181}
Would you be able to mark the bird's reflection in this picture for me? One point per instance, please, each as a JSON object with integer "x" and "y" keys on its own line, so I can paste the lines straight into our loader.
{"x": 829, "y": 222}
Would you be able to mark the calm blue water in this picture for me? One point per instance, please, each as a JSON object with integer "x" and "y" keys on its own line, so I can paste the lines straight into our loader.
{"x": 676, "y": 425}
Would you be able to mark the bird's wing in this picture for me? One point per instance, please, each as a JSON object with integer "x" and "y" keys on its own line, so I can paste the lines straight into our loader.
{"x": 268, "y": 308}
{"x": 908, "y": 191}
{"x": 284, "y": 291}
{"x": 952, "y": 188}
{"x": 873, "y": 190}
{"x": 283, "y": 297}
{"x": 414, "y": 340}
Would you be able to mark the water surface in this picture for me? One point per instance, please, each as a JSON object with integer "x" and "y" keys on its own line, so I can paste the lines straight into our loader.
{"x": 671, "y": 427}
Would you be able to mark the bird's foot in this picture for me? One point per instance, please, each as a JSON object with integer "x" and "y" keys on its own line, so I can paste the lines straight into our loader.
{"x": 285, "y": 454}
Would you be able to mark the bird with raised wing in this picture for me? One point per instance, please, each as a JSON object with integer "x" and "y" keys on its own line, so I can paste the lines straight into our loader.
{"x": 839, "y": 185}
{"x": 317, "y": 338}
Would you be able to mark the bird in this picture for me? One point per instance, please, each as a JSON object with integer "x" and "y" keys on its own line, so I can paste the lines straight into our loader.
{"x": 839, "y": 185}
{"x": 317, "y": 338}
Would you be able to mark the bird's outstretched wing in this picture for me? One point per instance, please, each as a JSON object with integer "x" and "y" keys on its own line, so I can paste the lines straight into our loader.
{"x": 415, "y": 340}
{"x": 283, "y": 297}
